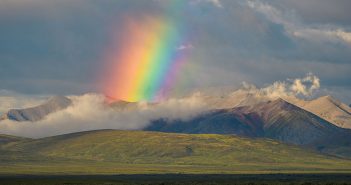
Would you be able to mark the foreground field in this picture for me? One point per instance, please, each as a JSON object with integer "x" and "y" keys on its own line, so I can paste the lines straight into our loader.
{"x": 137, "y": 152}
{"x": 271, "y": 179}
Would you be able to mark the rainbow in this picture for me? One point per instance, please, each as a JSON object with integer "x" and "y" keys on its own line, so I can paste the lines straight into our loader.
{"x": 146, "y": 60}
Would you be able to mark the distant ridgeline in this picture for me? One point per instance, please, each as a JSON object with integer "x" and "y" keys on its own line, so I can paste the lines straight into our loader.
{"x": 37, "y": 113}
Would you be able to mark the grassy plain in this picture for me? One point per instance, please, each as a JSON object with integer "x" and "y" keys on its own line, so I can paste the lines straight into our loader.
{"x": 138, "y": 152}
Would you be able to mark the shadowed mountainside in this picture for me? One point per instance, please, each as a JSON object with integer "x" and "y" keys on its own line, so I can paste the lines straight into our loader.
{"x": 276, "y": 119}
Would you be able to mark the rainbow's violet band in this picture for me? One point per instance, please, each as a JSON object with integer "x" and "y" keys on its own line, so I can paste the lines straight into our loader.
{"x": 147, "y": 58}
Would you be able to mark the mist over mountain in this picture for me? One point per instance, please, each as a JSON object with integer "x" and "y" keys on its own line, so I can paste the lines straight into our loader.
{"x": 91, "y": 112}
{"x": 276, "y": 119}
{"x": 39, "y": 112}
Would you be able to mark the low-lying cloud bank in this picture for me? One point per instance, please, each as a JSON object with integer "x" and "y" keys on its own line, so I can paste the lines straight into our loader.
{"x": 90, "y": 112}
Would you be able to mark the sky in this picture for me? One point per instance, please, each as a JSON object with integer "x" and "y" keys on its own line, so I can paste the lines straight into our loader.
{"x": 61, "y": 47}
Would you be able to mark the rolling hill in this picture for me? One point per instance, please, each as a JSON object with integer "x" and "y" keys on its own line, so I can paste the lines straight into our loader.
{"x": 111, "y": 152}
{"x": 4, "y": 139}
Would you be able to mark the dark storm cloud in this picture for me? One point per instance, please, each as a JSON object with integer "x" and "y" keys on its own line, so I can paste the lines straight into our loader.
{"x": 47, "y": 41}
{"x": 48, "y": 44}
{"x": 319, "y": 11}
{"x": 57, "y": 46}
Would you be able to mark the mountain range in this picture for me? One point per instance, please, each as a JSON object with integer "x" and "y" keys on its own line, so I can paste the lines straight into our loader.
{"x": 278, "y": 120}
{"x": 326, "y": 107}
{"x": 320, "y": 124}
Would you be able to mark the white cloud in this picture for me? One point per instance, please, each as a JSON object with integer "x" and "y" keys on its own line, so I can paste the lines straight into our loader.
{"x": 305, "y": 86}
{"x": 216, "y": 3}
{"x": 272, "y": 13}
{"x": 331, "y": 35}
{"x": 11, "y": 100}
{"x": 185, "y": 47}
{"x": 343, "y": 35}
{"x": 90, "y": 112}
{"x": 295, "y": 28}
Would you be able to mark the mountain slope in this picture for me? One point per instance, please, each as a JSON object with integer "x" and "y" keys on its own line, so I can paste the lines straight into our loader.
{"x": 277, "y": 120}
{"x": 107, "y": 151}
{"x": 289, "y": 123}
{"x": 325, "y": 107}
{"x": 330, "y": 109}
{"x": 4, "y": 139}
{"x": 37, "y": 113}
{"x": 214, "y": 122}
